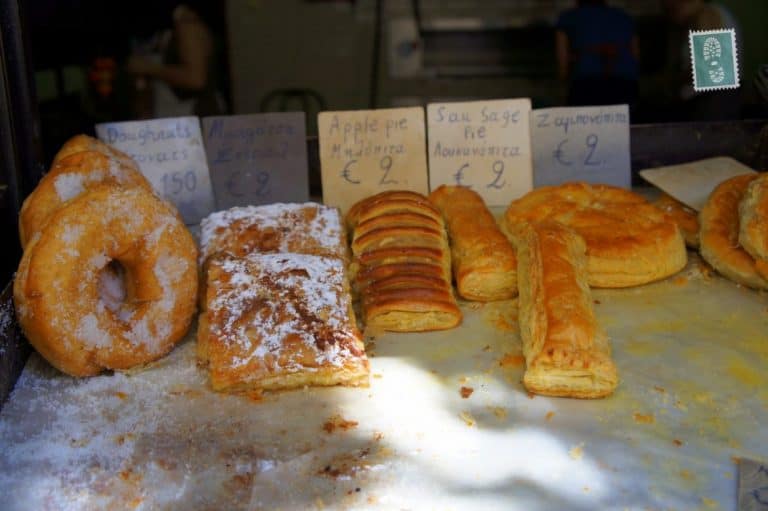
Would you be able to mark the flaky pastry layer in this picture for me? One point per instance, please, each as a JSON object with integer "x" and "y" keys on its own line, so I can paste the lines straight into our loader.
{"x": 629, "y": 241}
{"x": 719, "y": 236}
{"x": 567, "y": 353}
{"x": 483, "y": 260}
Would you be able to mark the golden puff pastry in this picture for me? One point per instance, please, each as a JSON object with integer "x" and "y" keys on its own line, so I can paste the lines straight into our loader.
{"x": 483, "y": 260}
{"x": 302, "y": 228}
{"x": 395, "y": 201}
{"x": 279, "y": 321}
{"x": 629, "y": 241}
{"x": 753, "y": 223}
{"x": 719, "y": 235}
{"x": 687, "y": 219}
{"x": 410, "y": 308}
{"x": 81, "y": 143}
{"x": 566, "y": 352}
{"x": 69, "y": 178}
{"x": 401, "y": 266}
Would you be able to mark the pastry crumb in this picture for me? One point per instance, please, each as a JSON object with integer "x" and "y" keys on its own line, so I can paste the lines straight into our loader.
{"x": 511, "y": 359}
{"x": 643, "y": 418}
{"x": 677, "y": 442}
{"x": 338, "y": 422}
{"x": 577, "y": 451}
{"x": 466, "y": 392}
{"x": 500, "y": 412}
{"x": 468, "y": 419}
{"x": 549, "y": 415}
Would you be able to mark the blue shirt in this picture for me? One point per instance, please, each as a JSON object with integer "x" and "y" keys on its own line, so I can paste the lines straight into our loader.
{"x": 600, "y": 39}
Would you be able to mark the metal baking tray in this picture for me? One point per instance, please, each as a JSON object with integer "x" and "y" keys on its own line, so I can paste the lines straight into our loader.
{"x": 445, "y": 423}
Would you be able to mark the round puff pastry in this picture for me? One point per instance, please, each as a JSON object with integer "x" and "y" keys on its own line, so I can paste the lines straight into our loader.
{"x": 80, "y": 143}
{"x": 719, "y": 219}
{"x": 69, "y": 178}
{"x": 753, "y": 223}
{"x": 687, "y": 219}
{"x": 72, "y": 308}
{"x": 629, "y": 241}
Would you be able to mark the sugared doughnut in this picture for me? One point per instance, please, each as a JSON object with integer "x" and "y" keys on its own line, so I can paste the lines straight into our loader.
{"x": 629, "y": 241}
{"x": 67, "y": 179}
{"x": 80, "y": 143}
{"x": 719, "y": 235}
{"x": 68, "y": 302}
{"x": 687, "y": 219}
{"x": 753, "y": 224}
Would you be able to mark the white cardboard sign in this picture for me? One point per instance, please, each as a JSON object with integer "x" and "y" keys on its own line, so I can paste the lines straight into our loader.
{"x": 363, "y": 152}
{"x": 170, "y": 154}
{"x": 484, "y": 145}
{"x": 581, "y": 144}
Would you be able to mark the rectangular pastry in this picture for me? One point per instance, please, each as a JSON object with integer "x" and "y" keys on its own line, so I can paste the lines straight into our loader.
{"x": 307, "y": 228}
{"x": 401, "y": 265}
{"x": 566, "y": 352}
{"x": 483, "y": 260}
{"x": 279, "y": 321}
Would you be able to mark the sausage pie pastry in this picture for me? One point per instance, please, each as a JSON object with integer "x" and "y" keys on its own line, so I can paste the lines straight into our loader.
{"x": 279, "y": 321}
{"x": 566, "y": 352}
{"x": 484, "y": 262}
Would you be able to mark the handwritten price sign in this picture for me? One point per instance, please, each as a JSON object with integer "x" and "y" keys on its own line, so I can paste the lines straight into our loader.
{"x": 363, "y": 152}
{"x": 257, "y": 158}
{"x": 484, "y": 145}
{"x": 170, "y": 154}
{"x": 581, "y": 144}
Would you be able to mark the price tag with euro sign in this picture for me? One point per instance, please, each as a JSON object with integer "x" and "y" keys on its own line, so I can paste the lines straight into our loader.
{"x": 588, "y": 144}
{"x": 483, "y": 145}
{"x": 364, "y": 152}
{"x": 257, "y": 158}
{"x": 171, "y": 155}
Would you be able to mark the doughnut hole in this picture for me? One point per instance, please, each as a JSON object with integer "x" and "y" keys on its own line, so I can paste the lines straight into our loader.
{"x": 112, "y": 290}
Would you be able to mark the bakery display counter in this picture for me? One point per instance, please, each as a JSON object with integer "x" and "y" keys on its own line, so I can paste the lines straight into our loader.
{"x": 445, "y": 423}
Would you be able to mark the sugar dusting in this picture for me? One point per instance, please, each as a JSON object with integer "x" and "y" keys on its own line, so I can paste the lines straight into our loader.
{"x": 288, "y": 227}
{"x": 264, "y": 299}
{"x": 69, "y": 185}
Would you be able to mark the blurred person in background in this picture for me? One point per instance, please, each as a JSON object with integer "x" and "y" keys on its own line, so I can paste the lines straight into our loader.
{"x": 597, "y": 54}
{"x": 176, "y": 62}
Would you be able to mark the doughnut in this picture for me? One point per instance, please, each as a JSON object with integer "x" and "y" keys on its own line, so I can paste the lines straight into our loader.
{"x": 753, "y": 224}
{"x": 687, "y": 219}
{"x": 719, "y": 235}
{"x": 77, "y": 311}
{"x": 629, "y": 241}
{"x": 80, "y": 143}
{"x": 68, "y": 178}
